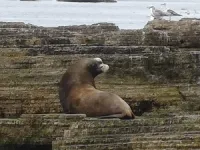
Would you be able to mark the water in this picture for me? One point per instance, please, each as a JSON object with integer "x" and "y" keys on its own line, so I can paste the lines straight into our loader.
{"x": 127, "y": 14}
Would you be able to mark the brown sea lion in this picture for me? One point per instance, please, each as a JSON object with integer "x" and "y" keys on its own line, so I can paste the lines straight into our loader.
{"x": 78, "y": 94}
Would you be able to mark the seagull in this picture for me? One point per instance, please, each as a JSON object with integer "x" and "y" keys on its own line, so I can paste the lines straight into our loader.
{"x": 186, "y": 11}
{"x": 156, "y": 13}
{"x": 169, "y": 11}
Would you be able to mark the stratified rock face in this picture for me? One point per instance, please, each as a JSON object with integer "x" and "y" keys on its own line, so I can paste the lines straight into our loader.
{"x": 184, "y": 33}
{"x": 155, "y": 69}
{"x": 79, "y": 132}
{"x": 147, "y": 69}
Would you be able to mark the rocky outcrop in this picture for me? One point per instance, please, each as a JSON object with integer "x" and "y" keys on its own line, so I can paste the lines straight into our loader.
{"x": 155, "y": 69}
{"x": 142, "y": 72}
{"x": 34, "y": 130}
{"x": 151, "y": 133}
{"x": 79, "y": 132}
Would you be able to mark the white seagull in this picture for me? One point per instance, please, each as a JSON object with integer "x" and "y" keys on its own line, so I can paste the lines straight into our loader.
{"x": 156, "y": 13}
{"x": 169, "y": 11}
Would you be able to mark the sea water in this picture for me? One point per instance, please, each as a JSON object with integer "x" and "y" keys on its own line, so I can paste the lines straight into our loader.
{"x": 127, "y": 14}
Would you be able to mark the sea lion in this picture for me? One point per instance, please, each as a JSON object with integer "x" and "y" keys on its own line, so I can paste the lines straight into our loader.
{"x": 78, "y": 94}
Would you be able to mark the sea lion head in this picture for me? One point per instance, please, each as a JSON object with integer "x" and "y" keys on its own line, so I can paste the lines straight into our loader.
{"x": 96, "y": 66}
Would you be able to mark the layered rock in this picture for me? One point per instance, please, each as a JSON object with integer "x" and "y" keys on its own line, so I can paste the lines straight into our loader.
{"x": 180, "y": 132}
{"x": 34, "y": 130}
{"x": 155, "y": 69}
{"x": 34, "y": 58}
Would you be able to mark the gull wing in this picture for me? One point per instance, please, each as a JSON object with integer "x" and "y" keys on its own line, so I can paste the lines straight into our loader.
{"x": 173, "y": 13}
{"x": 158, "y": 12}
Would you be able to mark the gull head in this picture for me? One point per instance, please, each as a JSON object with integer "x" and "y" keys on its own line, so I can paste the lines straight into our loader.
{"x": 151, "y": 7}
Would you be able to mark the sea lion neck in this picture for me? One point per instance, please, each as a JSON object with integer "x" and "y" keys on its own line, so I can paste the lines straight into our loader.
{"x": 82, "y": 77}
{"x": 78, "y": 75}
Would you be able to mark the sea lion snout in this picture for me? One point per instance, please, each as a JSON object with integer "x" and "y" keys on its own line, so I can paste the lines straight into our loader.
{"x": 101, "y": 67}
{"x": 104, "y": 67}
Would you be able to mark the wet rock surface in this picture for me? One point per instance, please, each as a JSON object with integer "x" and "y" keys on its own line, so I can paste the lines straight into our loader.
{"x": 155, "y": 69}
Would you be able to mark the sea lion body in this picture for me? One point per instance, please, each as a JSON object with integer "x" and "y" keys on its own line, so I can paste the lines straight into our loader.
{"x": 78, "y": 93}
